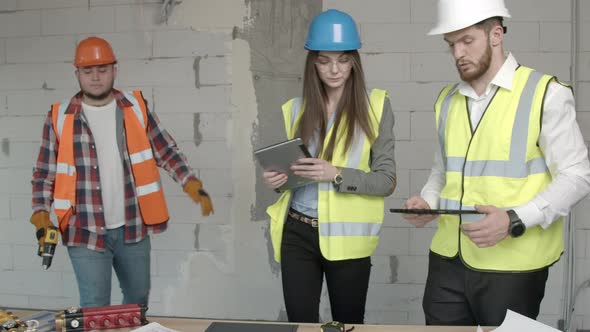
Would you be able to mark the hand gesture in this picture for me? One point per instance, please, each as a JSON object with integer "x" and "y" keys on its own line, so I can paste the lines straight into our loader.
{"x": 194, "y": 188}
{"x": 491, "y": 229}
{"x": 315, "y": 169}
{"x": 273, "y": 179}
{"x": 41, "y": 221}
{"x": 418, "y": 220}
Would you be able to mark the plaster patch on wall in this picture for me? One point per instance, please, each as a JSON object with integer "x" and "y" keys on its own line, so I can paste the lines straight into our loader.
{"x": 254, "y": 138}
{"x": 46, "y": 87}
{"x": 275, "y": 267}
{"x": 6, "y": 146}
{"x": 393, "y": 266}
{"x": 236, "y": 33}
{"x": 197, "y": 135}
{"x": 196, "y": 65}
{"x": 282, "y": 316}
{"x": 197, "y": 231}
{"x": 244, "y": 99}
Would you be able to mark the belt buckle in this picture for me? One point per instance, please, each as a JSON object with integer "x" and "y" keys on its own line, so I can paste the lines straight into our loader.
{"x": 313, "y": 222}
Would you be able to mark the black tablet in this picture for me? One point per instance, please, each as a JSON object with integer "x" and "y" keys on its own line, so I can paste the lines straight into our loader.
{"x": 433, "y": 211}
{"x": 279, "y": 158}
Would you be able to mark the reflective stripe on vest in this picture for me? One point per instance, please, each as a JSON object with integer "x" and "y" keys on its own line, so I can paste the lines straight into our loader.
{"x": 349, "y": 225}
{"x": 498, "y": 164}
{"x": 149, "y": 191}
{"x": 515, "y": 167}
{"x": 64, "y": 189}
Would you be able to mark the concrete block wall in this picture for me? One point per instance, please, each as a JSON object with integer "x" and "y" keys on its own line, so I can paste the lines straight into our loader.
{"x": 216, "y": 73}
{"x": 582, "y": 248}
{"x": 184, "y": 70}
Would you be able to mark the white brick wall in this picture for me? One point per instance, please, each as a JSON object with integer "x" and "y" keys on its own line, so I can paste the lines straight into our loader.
{"x": 82, "y": 20}
{"x": 196, "y": 258}
{"x": 41, "y": 4}
{"x": 197, "y": 44}
{"x": 40, "y": 49}
{"x": 20, "y": 24}
{"x": 37, "y": 45}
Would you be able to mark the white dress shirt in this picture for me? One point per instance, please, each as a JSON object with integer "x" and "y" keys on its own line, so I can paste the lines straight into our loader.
{"x": 560, "y": 139}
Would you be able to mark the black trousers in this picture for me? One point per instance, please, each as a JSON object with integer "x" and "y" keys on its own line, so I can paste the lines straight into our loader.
{"x": 457, "y": 295}
{"x": 303, "y": 268}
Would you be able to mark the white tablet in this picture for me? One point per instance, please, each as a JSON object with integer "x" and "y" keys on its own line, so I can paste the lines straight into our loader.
{"x": 279, "y": 158}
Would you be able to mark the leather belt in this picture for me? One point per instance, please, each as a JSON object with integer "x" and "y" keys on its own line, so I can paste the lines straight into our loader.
{"x": 299, "y": 217}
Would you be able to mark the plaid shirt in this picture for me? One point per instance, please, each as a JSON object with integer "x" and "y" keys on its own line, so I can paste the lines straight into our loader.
{"x": 87, "y": 226}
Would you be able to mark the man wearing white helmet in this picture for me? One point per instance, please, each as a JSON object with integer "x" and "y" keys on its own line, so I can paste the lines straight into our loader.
{"x": 511, "y": 149}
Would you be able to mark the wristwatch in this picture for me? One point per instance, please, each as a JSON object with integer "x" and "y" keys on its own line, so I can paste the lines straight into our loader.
{"x": 338, "y": 177}
{"x": 516, "y": 227}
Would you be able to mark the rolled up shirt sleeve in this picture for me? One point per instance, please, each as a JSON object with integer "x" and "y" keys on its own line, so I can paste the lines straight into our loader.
{"x": 566, "y": 156}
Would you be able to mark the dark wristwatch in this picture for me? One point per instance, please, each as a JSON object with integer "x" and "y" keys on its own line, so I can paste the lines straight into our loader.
{"x": 516, "y": 227}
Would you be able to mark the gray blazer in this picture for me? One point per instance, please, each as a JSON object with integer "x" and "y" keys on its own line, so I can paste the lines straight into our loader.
{"x": 381, "y": 180}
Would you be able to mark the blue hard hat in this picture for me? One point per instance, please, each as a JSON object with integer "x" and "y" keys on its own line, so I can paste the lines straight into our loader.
{"x": 332, "y": 30}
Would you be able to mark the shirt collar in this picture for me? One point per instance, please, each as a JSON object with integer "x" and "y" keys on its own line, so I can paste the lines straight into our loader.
{"x": 75, "y": 106}
{"x": 503, "y": 79}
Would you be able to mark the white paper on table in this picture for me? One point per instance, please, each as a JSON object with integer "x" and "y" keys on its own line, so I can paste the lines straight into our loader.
{"x": 479, "y": 329}
{"x": 154, "y": 327}
{"x": 515, "y": 322}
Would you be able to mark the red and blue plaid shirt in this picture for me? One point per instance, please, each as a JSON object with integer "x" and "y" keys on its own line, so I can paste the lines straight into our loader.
{"x": 87, "y": 226}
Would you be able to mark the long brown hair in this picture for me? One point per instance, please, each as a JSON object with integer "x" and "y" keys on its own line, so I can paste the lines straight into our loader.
{"x": 353, "y": 104}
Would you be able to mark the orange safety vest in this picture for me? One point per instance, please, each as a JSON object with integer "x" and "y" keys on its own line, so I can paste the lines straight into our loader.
{"x": 148, "y": 188}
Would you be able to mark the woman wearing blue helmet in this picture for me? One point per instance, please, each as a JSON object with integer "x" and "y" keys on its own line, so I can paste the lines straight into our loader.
{"x": 331, "y": 227}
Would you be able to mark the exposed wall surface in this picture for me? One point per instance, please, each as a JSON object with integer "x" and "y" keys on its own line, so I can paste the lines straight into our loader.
{"x": 216, "y": 73}
{"x": 581, "y": 65}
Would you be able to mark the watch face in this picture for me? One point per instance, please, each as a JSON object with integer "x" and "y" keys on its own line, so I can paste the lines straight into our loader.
{"x": 517, "y": 229}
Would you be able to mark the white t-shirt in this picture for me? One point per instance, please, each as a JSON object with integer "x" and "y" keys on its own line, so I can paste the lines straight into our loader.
{"x": 102, "y": 122}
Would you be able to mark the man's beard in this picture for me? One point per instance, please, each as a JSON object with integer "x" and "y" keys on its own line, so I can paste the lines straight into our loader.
{"x": 99, "y": 97}
{"x": 481, "y": 66}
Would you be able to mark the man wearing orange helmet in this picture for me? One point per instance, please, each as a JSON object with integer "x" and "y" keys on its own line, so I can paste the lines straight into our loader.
{"x": 97, "y": 166}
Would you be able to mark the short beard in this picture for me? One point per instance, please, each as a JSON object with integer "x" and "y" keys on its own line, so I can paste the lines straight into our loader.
{"x": 482, "y": 66}
{"x": 99, "y": 97}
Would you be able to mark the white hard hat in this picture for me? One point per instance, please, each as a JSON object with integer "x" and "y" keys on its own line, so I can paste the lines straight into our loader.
{"x": 455, "y": 15}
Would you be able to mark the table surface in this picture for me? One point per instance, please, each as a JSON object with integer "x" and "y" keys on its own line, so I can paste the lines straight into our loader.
{"x": 200, "y": 325}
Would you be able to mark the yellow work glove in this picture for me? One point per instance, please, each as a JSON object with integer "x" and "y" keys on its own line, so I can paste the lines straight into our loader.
{"x": 194, "y": 188}
{"x": 41, "y": 221}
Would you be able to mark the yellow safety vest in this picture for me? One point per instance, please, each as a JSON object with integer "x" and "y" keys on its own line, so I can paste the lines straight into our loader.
{"x": 498, "y": 164}
{"x": 349, "y": 224}
{"x": 150, "y": 195}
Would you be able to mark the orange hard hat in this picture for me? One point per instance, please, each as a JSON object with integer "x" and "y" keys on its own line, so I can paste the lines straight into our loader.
{"x": 94, "y": 51}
